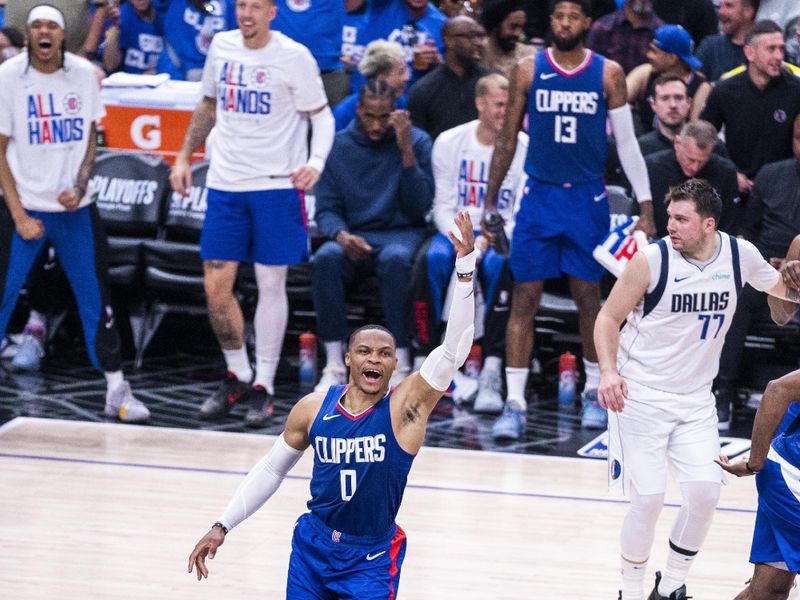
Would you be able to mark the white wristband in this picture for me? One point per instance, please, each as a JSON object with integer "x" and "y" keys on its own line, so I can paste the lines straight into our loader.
{"x": 465, "y": 265}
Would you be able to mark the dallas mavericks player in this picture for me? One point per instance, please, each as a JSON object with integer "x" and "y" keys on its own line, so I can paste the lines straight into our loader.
{"x": 567, "y": 91}
{"x": 677, "y": 297}
{"x": 365, "y": 437}
{"x": 775, "y": 552}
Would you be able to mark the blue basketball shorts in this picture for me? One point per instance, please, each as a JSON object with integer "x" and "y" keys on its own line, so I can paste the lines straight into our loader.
{"x": 329, "y": 565}
{"x": 776, "y": 537}
{"x": 264, "y": 226}
{"x": 556, "y": 230}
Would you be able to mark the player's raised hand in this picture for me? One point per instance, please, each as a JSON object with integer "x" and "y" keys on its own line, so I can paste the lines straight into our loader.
{"x": 466, "y": 244}
{"x": 613, "y": 392}
{"x": 207, "y": 546}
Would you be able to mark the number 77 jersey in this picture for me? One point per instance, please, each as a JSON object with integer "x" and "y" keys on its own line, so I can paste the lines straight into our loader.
{"x": 673, "y": 339}
{"x": 360, "y": 470}
{"x": 567, "y": 121}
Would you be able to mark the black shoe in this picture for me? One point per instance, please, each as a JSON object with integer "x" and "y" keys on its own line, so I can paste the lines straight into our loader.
{"x": 260, "y": 411}
{"x": 220, "y": 403}
{"x": 679, "y": 594}
{"x": 724, "y": 397}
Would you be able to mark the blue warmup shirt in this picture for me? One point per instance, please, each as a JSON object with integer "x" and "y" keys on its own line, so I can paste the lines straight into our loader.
{"x": 360, "y": 470}
{"x": 787, "y": 443}
{"x": 317, "y": 24}
{"x": 140, "y": 41}
{"x": 567, "y": 114}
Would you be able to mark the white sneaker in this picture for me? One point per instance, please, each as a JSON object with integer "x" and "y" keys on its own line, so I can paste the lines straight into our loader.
{"x": 489, "y": 399}
{"x": 400, "y": 373}
{"x": 120, "y": 402}
{"x": 331, "y": 375}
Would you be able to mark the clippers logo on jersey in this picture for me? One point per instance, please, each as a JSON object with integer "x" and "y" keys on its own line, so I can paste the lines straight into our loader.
{"x": 114, "y": 190}
{"x": 49, "y": 125}
{"x": 473, "y": 177}
{"x": 145, "y": 57}
{"x": 366, "y": 449}
{"x": 577, "y": 103}
{"x": 700, "y": 302}
{"x": 206, "y": 24}
{"x": 234, "y": 93}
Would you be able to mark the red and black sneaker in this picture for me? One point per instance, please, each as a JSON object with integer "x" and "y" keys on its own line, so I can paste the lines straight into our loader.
{"x": 260, "y": 411}
{"x": 220, "y": 403}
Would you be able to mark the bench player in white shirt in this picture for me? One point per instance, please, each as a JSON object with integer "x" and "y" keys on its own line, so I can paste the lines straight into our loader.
{"x": 678, "y": 296}
{"x": 260, "y": 91}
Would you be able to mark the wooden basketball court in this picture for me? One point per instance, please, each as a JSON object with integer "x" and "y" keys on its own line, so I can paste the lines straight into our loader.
{"x": 103, "y": 511}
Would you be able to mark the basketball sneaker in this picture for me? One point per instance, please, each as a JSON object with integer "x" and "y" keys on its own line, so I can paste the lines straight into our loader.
{"x": 511, "y": 424}
{"x": 29, "y": 352}
{"x": 490, "y": 398}
{"x": 679, "y": 594}
{"x": 331, "y": 375}
{"x": 220, "y": 402}
{"x": 593, "y": 416}
{"x": 121, "y": 403}
{"x": 260, "y": 411}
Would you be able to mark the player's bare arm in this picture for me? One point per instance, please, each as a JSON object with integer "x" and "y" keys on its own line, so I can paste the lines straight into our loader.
{"x": 71, "y": 198}
{"x": 630, "y": 154}
{"x": 323, "y": 130}
{"x": 203, "y": 119}
{"x": 506, "y": 144}
{"x": 261, "y": 482}
{"x": 28, "y": 227}
{"x": 783, "y": 311}
{"x": 625, "y": 295}
{"x": 415, "y": 397}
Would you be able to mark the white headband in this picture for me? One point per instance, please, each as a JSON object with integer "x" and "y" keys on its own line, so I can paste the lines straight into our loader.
{"x": 47, "y": 13}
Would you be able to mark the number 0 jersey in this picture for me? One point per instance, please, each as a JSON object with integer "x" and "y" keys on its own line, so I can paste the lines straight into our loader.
{"x": 360, "y": 470}
{"x": 673, "y": 339}
{"x": 567, "y": 121}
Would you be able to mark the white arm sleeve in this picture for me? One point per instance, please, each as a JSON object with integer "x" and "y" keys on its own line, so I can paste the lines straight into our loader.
{"x": 323, "y": 128}
{"x": 261, "y": 482}
{"x": 441, "y": 365}
{"x": 630, "y": 155}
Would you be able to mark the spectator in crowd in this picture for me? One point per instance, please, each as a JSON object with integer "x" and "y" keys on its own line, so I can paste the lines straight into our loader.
{"x": 456, "y": 8}
{"x": 76, "y": 14}
{"x": 371, "y": 205}
{"x": 692, "y": 157}
{"x": 669, "y": 52}
{"x": 414, "y": 24}
{"x": 698, "y": 17}
{"x": 445, "y": 97}
{"x": 352, "y": 51}
{"x": 793, "y": 43}
{"x": 504, "y": 21}
{"x": 758, "y": 107}
{"x": 384, "y": 61}
{"x": 135, "y": 39}
{"x": 12, "y": 42}
{"x": 722, "y": 52}
{"x": 317, "y": 24}
{"x": 461, "y": 158}
{"x": 189, "y": 27}
{"x": 625, "y": 35}
{"x": 55, "y": 204}
{"x": 771, "y": 221}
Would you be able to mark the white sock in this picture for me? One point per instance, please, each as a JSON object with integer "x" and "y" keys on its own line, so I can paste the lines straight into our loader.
{"x": 516, "y": 380}
{"x": 272, "y": 314}
{"x": 492, "y": 363}
{"x": 592, "y": 370}
{"x": 36, "y": 321}
{"x": 403, "y": 358}
{"x": 677, "y": 569}
{"x": 633, "y": 574}
{"x": 239, "y": 364}
{"x": 333, "y": 355}
{"x": 114, "y": 379}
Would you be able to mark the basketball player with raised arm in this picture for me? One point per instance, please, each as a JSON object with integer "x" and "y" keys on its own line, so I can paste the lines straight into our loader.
{"x": 365, "y": 437}
{"x": 567, "y": 92}
{"x": 261, "y": 90}
{"x": 677, "y": 298}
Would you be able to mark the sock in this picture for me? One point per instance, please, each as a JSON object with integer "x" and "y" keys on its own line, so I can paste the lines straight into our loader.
{"x": 239, "y": 364}
{"x": 403, "y": 358}
{"x": 272, "y": 314}
{"x": 265, "y": 373}
{"x": 114, "y": 379}
{"x": 516, "y": 380}
{"x": 633, "y": 573}
{"x": 679, "y": 560}
{"x": 333, "y": 355}
{"x": 492, "y": 363}
{"x": 592, "y": 370}
{"x": 36, "y": 324}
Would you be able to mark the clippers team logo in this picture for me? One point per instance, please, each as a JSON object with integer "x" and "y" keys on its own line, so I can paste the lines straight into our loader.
{"x": 298, "y": 5}
{"x": 72, "y": 104}
{"x": 235, "y": 93}
{"x": 260, "y": 77}
{"x": 51, "y": 122}
{"x": 336, "y": 536}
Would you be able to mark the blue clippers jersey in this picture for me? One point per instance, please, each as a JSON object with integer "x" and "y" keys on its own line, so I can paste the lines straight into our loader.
{"x": 360, "y": 470}
{"x": 317, "y": 24}
{"x": 787, "y": 443}
{"x": 141, "y": 41}
{"x": 567, "y": 121}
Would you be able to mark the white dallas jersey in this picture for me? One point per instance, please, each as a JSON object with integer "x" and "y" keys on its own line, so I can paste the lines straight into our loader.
{"x": 461, "y": 173}
{"x": 673, "y": 339}
{"x": 48, "y": 118}
{"x": 260, "y": 135}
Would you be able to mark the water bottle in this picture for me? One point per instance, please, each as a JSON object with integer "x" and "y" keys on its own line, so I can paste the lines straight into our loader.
{"x": 308, "y": 359}
{"x": 472, "y": 366}
{"x": 567, "y": 380}
{"x": 495, "y": 223}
